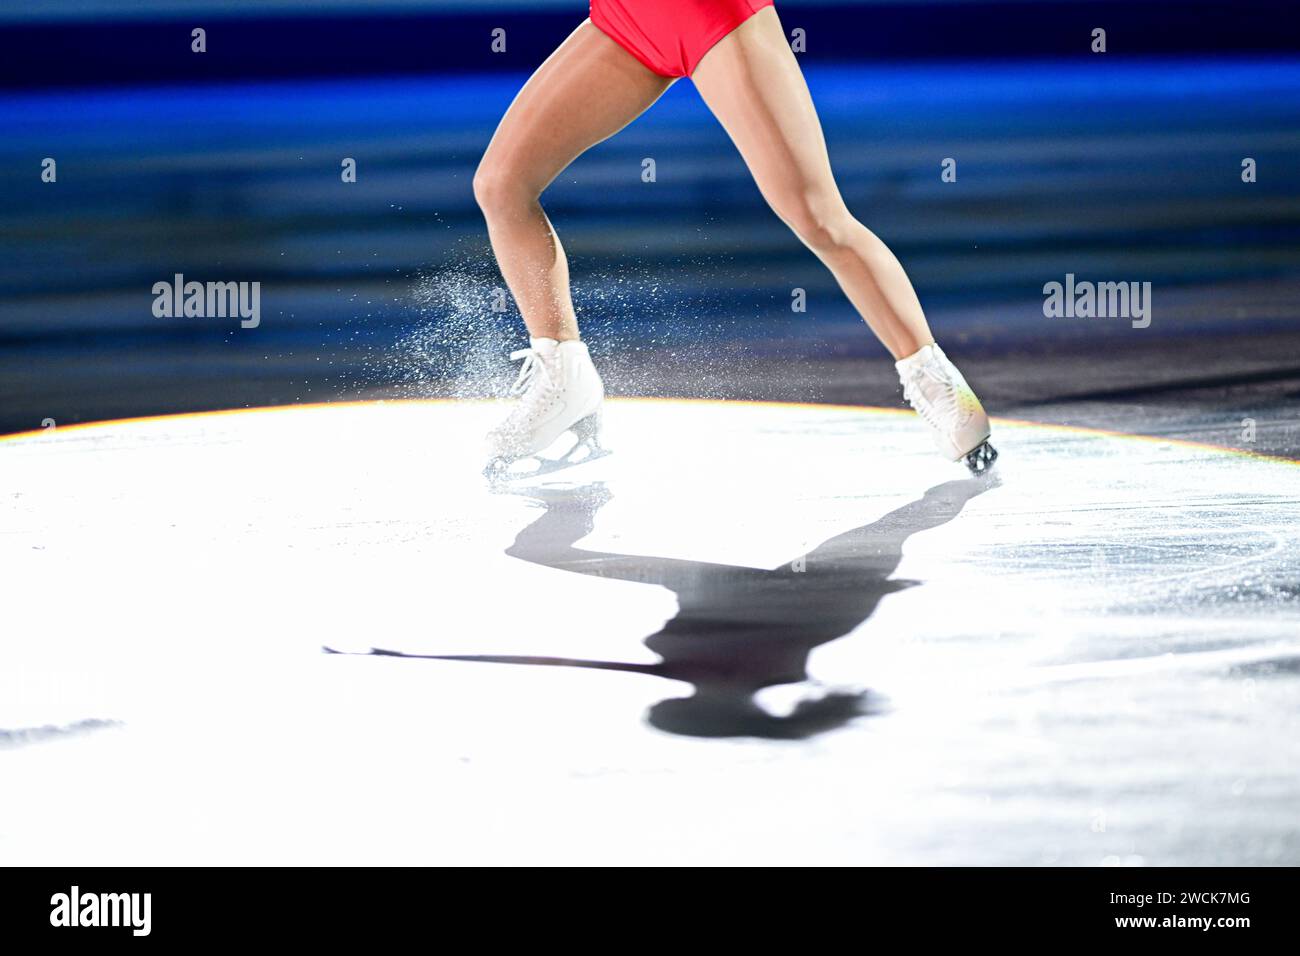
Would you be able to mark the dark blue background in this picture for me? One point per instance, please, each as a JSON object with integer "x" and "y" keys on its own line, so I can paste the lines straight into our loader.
{"x": 225, "y": 166}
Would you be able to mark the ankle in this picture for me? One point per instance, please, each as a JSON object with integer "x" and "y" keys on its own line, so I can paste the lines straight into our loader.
{"x": 918, "y": 357}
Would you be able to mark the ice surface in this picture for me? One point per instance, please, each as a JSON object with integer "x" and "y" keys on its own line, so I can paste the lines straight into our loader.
{"x": 1092, "y": 660}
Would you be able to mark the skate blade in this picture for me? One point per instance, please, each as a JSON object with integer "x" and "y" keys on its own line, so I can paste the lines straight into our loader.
{"x": 981, "y": 459}
{"x": 501, "y": 473}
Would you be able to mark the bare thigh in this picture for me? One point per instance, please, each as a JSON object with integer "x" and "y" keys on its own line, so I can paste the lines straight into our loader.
{"x": 753, "y": 85}
{"x": 585, "y": 92}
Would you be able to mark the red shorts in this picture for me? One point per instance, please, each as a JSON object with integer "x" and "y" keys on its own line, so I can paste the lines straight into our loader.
{"x": 671, "y": 36}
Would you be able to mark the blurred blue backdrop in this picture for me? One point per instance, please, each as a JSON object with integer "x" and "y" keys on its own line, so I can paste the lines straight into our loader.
{"x": 225, "y": 165}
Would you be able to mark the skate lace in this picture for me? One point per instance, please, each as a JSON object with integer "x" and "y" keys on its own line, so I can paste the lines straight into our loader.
{"x": 534, "y": 376}
{"x": 940, "y": 411}
{"x": 535, "y": 387}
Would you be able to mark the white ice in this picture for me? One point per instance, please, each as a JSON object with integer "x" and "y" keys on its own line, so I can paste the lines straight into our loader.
{"x": 1095, "y": 662}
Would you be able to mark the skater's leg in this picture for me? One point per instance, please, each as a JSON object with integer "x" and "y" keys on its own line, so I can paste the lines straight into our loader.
{"x": 752, "y": 83}
{"x": 754, "y": 86}
{"x": 587, "y": 90}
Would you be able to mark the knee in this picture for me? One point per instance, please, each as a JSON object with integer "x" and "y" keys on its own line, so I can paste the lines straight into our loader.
{"x": 500, "y": 190}
{"x": 824, "y": 225}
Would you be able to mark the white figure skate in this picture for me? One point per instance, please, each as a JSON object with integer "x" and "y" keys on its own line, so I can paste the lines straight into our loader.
{"x": 559, "y": 391}
{"x": 933, "y": 386}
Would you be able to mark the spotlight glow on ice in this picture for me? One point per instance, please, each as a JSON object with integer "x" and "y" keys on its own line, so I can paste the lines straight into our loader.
{"x": 756, "y": 633}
